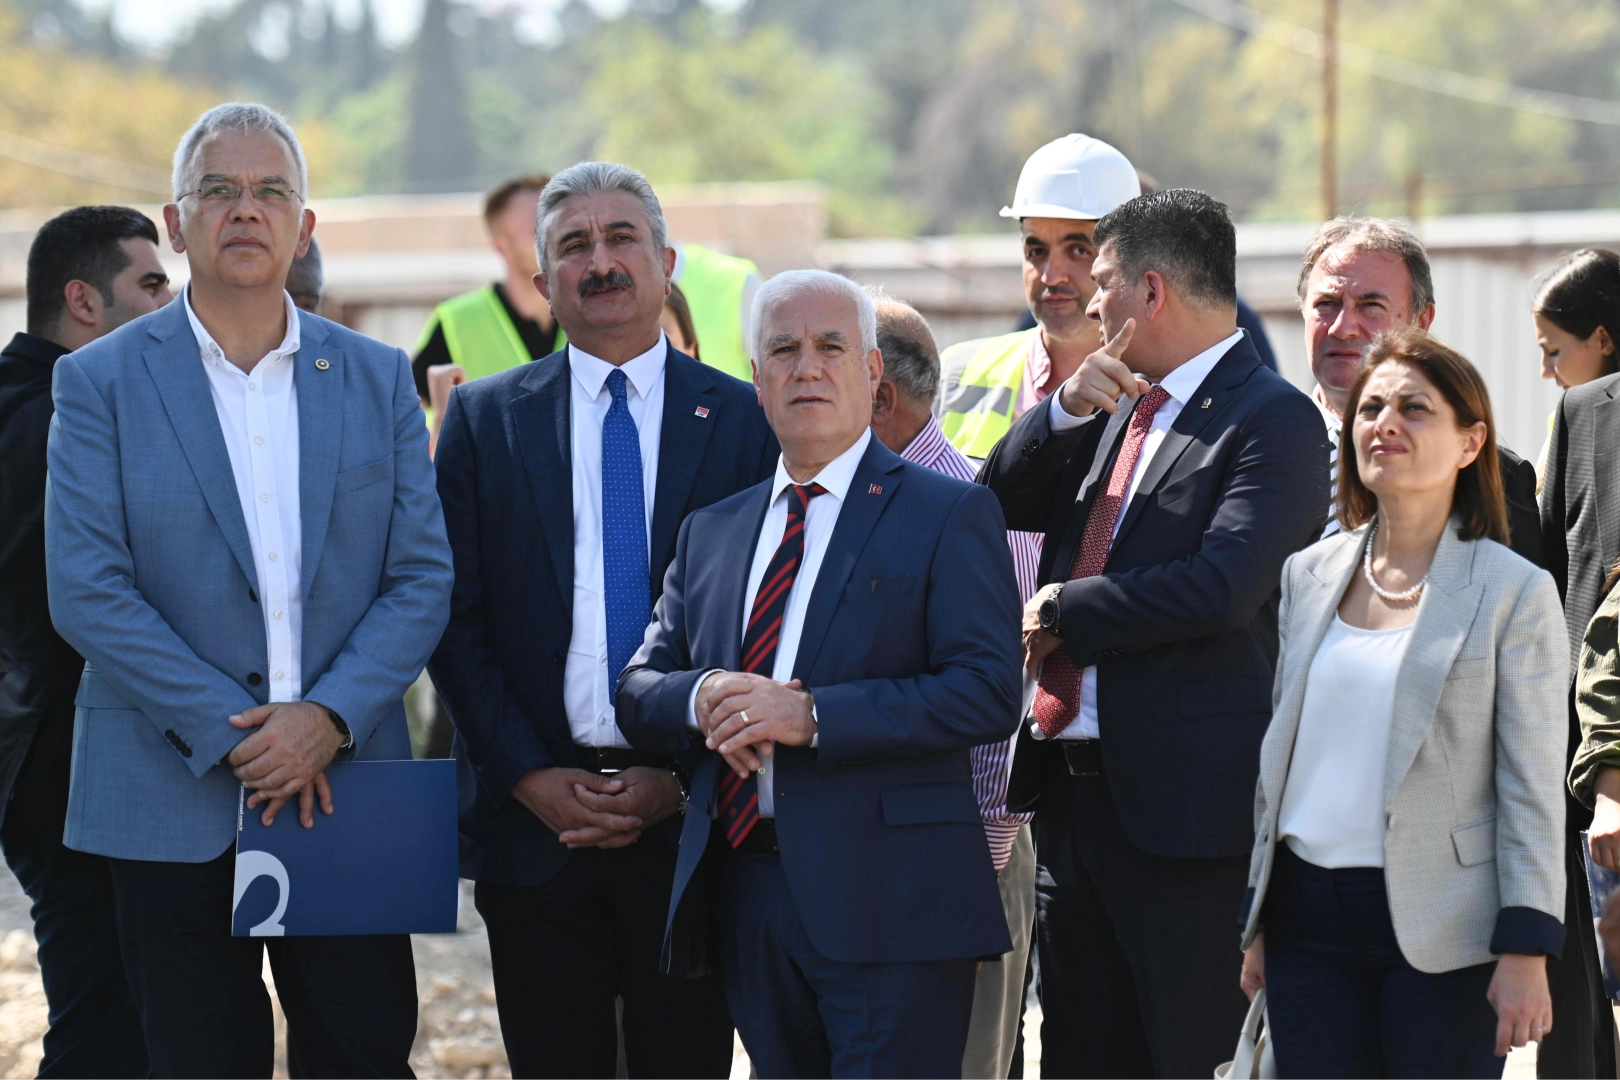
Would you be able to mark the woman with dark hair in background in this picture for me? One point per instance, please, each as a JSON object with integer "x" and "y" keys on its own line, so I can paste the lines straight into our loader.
{"x": 1407, "y": 881}
{"x": 1577, "y": 314}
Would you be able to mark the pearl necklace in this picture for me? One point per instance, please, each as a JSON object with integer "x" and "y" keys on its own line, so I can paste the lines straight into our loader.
{"x": 1383, "y": 593}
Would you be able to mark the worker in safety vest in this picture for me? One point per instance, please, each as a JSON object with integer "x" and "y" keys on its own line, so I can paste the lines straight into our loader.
{"x": 501, "y": 325}
{"x": 986, "y": 384}
{"x": 719, "y": 290}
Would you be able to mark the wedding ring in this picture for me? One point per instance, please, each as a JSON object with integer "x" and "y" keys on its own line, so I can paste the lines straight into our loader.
{"x": 746, "y": 721}
{"x": 1535, "y": 1028}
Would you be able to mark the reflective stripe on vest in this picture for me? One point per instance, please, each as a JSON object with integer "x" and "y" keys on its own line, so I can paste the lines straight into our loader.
{"x": 979, "y": 409}
{"x": 713, "y": 284}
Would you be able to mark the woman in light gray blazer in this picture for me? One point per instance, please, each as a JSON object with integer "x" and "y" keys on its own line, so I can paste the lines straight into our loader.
{"x": 1413, "y": 769}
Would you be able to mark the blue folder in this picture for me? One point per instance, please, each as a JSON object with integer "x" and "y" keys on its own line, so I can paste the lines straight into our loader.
{"x": 384, "y": 861}
{"x": 1601, "y": 882}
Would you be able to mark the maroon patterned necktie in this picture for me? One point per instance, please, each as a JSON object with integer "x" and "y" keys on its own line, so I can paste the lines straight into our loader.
{"x": 739, "y": 796}
{"x": 1057, "y": 697}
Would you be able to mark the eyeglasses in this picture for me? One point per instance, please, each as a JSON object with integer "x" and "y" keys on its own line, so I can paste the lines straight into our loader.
{"x": 223, "y": 193}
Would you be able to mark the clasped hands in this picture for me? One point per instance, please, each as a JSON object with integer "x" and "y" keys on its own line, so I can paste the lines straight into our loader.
{"x": 743, "y": 716}
{"x": 286, "y": 756}
{"x": 587, "y": 809}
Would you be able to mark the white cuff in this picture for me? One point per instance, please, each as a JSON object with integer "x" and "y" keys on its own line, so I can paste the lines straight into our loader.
{"x": 691, "y": 701}
{"x": 1060, "y": 418}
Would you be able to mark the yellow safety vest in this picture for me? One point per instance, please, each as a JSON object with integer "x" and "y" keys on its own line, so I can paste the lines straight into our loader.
{"x": 479, "y": 334}
{"x": 980, "y": 404}
{"x": 713, "y": 284}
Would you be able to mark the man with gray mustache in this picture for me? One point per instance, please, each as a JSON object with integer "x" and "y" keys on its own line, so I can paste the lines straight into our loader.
{"x": 564, "y": 482}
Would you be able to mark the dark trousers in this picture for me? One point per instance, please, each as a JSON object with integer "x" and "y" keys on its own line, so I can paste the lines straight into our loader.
{"x": 94, "y": 1028}
{"x": 1343, "y": 1001}
{"x": 1138, "y": 963}
{"x": 562, "y": 952}
{"x": 802, "y": 1014}
{"x": 350, "y": 1002}
{"x": 1581, "y": 1043}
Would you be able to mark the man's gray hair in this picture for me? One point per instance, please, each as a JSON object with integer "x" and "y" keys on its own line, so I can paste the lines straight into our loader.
{"x": 792, "y": 284}
{"x": 910, "y": 357}
{"x": 243, "y": 117}
{"x": 596, "y": 178}
{"x": 1359, "y": 234}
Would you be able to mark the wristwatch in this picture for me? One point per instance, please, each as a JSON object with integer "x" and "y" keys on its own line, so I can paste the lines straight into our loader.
{"x": 1052, "y": 610}
{"x": 343, "y": 729}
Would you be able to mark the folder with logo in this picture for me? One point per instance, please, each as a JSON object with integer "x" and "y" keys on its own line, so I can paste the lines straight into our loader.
{"x": 384, "y": 861}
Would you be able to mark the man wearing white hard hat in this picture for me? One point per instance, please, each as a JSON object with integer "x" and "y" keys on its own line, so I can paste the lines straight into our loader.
{"x": 986, "y": 384}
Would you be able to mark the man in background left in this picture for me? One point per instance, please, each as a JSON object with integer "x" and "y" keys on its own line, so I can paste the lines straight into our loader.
{"x": 90, "y": 270}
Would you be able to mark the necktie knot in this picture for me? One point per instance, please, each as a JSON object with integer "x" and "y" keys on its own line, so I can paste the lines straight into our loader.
{"x": 1149, "y": 405}
{"x": 618, "y": 384}
{"x": 802, "y": 494}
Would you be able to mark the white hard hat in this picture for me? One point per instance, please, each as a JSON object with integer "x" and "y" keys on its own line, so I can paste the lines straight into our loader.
{"x": 1073, "y": 177}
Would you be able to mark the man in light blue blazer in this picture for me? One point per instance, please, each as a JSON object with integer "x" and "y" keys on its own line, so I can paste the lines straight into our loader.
{"x": 244, "y": 542}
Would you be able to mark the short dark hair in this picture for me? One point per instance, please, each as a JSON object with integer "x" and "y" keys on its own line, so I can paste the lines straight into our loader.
{"x": 1581, "y": 293}
{"x": 678, "y": 307}
{"x": 83, "y": 244}
{"x": 1185, "y": 235}
{"x": 307, "y": 276}
{"x": 1478, "y": 499}
{"x": 1358, "y": 234}
{"x": 497, "y": 199}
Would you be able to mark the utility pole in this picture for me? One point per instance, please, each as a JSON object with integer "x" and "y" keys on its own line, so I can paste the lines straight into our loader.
{"x": 1330, "y": 108}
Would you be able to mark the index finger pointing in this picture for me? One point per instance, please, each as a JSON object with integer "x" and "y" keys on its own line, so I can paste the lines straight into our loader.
{"x": 1116, "y": 347}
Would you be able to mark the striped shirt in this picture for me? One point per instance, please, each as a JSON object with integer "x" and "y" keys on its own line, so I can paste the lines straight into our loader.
{"x": 992, "y": 763}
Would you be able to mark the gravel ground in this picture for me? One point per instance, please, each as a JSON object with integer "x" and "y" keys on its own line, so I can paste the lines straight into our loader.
{"x": 459, "y": 1033}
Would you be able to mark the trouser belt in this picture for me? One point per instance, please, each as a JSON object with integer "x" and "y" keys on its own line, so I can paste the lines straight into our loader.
{"x": 616, "y": 759}
{"x": 1083, "y": 757}
{"x": 761, "y": 838}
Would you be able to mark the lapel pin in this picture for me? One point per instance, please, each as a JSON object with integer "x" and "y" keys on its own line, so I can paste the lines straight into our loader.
{"x": 322, "y": 365}
{"x": 1205, "y": 405}
{"x": 874, "y": 490}
{"x": 701, "y": 411}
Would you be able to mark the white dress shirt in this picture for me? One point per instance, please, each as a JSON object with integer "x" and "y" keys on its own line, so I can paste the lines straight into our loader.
{"x": 819, "y": 522}
{"x": 1181, "y": 384}
{"x": 1332, "y": 811}
{"x": 258, "y": 416}
{"x": 587, "y": 683}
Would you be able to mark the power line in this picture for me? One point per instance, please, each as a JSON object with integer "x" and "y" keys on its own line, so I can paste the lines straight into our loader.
{"x": 1453, "y": 84}
{"x": 82, "y": 166}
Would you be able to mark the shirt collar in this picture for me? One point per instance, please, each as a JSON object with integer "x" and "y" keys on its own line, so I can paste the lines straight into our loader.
{"x": 835, "y": 476}
{"x": 1186, "y": 379}
{"x": 928, "y": 447}
{"x": 212, "y": 353}
{"x": 1333, "y": 422}
{"x": 1038, "y": 363}
{"x": 643, "y": 371}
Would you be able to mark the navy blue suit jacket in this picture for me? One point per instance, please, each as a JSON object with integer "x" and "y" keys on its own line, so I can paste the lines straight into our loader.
{"x": 911, "y": 647}
{"x": 506, "y": 481}
{"x": 1182, "y": 622}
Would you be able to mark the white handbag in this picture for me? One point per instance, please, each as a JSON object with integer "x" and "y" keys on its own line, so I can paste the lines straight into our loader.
{"x": 1253, "y": 1059}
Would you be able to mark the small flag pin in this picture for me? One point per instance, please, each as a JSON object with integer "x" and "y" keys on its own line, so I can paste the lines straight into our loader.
{"x": 701, "y": 411}
{"x": 1205, "y": 405}
{"x": 874, "y": 490}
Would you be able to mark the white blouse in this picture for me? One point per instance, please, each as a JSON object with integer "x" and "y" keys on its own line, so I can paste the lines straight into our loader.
{"x": 1333, "y": 802}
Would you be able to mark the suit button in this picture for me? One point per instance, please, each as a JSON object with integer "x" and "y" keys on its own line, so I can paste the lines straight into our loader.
{"x": 178, "y": 743}
{"x": 254, "y": 678}
{"x": 1030, "y": 447}
{"x": 558, "y": 657}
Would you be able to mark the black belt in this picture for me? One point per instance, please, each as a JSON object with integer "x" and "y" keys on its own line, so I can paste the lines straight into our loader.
{"x": 616, "y": 759}
{"x": 761, "y": 839}
{"x": 1082, "y": 756}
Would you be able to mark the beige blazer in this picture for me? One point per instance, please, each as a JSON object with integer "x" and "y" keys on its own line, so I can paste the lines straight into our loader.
{"x": 1474, "y": 785}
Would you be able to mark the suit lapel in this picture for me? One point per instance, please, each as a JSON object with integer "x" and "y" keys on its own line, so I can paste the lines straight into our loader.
{"x": 731, "y": 588}
{"x": 1101, "y": 464}
{"x": 1230, "y": 372}
{"x": 691, "y": 411}
{"x": 1605, "y": 436}
{"x": 540, "y": 422}
{"x": 320, "y": 439}
{"x": 1311, "y": 612}
{"x": 176, "y": 366}
{"x": 862, "y": 507}
{"x": 1445, "y": 616}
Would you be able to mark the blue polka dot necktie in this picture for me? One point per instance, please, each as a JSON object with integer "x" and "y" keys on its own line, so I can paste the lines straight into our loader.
{"x": 626, "y": 585}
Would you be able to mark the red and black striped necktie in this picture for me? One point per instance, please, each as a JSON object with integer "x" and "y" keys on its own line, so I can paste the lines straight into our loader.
{"x": 739, "y": 796}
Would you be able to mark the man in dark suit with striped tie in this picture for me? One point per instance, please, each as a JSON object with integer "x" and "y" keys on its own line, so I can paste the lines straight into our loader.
{"x": 839, "y": 637}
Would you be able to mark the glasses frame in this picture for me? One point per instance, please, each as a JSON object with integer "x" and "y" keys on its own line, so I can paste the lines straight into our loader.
{"x": 296, "y": 197}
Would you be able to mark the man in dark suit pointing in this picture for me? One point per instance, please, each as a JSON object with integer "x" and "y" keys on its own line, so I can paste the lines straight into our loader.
{"x": 840, "y": 637}
{"x": 1172, "y": 474}
{"x": 564, "y": 482}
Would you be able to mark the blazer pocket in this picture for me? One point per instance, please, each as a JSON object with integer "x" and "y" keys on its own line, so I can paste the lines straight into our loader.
{"x": 1475, "y": 844}
{"x": 364, "y": 476}
{"x": 94, "y": 693}
{"x": 894, "y": 586}
{"x": 928, "y": 804}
